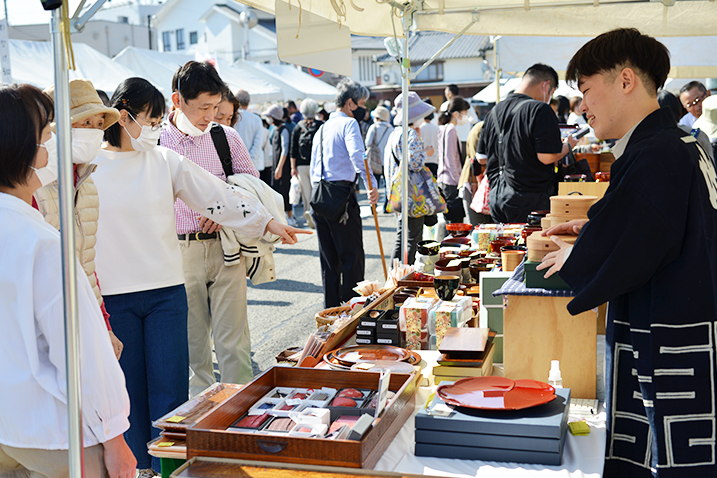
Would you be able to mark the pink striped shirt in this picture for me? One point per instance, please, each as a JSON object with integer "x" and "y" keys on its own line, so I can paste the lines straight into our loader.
{"x": 201, "y": 151}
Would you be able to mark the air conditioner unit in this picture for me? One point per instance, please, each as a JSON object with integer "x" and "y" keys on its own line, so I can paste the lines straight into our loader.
{"x": 390, "y": 77}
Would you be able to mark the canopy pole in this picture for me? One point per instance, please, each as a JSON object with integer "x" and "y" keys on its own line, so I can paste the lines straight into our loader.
{"x": 69, "y": 260}
{"x": 404, "y": 138}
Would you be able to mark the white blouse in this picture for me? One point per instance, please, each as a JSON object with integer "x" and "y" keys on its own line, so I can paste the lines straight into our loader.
{"x": 137, "y": 246}
{"x": 33, "y": 403}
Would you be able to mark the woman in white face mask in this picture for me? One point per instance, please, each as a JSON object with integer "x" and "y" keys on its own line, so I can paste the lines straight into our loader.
{"x": 139, "y": 257}
{"x": 449, "y": 158}
{"x": 32, "y": 342}
{"x": 90, "y": 117}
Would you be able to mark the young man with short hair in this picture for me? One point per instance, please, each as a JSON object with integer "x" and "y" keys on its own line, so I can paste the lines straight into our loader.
{"x": 662, "y": 288}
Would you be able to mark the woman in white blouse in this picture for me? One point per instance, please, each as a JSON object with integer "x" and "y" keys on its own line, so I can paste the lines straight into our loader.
{"x": 33, "y": 418}
{"x": 138, "y": 253}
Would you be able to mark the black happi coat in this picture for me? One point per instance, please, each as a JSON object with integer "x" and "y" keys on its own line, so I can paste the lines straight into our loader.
{"x": 650, "y": 249}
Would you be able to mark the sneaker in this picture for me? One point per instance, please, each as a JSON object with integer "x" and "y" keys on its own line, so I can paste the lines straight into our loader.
{"x": 291, "y": 221}
{"x": 309, "y": 221}
{"x": 146, "y": 473}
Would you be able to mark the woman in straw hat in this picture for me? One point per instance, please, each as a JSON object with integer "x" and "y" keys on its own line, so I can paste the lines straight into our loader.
{"x": 90, "y": 117}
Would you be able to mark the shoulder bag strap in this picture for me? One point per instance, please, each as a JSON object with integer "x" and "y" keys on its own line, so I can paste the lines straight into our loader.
{"x": 321, "y": 149}
{"x": 501, "y": 159}
{"x": 385, "y": 130}
{"x": 219, "y": 138}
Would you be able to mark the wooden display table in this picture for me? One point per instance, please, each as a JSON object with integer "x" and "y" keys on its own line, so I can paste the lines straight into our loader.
{"x": 538, "y": 329}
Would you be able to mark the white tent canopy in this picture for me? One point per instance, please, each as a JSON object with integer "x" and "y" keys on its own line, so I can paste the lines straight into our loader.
{"x": 689, "y": 57}
{"x": 488, "y": 94}
{"x": 518, "y": 17}
{"x": 29, "y": 61}
{"x": 159, "y": 68}
{"x": 295, "y": 83}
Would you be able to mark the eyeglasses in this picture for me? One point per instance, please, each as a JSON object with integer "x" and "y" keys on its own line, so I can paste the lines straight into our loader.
{"x": 153, "y": 127}
{"x": 696, "y": 101}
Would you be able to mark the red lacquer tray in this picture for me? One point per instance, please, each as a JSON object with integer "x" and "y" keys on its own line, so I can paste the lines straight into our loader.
{"x": 496, "y": 393}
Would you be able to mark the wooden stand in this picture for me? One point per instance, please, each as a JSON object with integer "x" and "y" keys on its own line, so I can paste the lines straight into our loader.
{"x": 540, "y": 329}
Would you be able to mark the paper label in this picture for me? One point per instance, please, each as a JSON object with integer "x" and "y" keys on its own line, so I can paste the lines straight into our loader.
{"x": 365, "y": 366}
{"x": 293, "y": 401}
{"x": 176, "y": 419}
{"x": 256, "y": 411}
{"x": 389, "y": 326}
{"x": 166, "y": 443}
{"x": 382, "y": 392}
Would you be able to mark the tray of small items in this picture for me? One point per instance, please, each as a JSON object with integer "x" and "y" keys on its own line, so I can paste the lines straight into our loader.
{"x": 312, "y": 416}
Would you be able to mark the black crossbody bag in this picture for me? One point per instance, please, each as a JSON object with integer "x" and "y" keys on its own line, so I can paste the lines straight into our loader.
{"x": 328, "y": 199}
{"x": 221, "y": 144}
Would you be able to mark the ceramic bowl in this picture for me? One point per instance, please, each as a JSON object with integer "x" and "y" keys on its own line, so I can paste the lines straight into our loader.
{"x": 446, "y": 286}
{"x": 426, "y": 250}
{"x": 459, "y": 229}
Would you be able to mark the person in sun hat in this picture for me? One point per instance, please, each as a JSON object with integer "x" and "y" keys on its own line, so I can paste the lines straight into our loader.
{"x": 376, "y": 140}
{"x": 417, "y": 110}
{"x": 281, "y": 146}
{"x": 89, "y": 117}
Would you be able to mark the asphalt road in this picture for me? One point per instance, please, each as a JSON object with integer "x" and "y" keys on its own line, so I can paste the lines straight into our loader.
{"x": 281, "y": 313}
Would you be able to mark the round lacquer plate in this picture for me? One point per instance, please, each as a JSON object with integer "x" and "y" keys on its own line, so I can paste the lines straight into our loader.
{"x": 496, "y": 393}
{"x": 370, "y": 353}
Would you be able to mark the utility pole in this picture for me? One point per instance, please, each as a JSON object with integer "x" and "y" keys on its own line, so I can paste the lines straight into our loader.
{"x": 7, "y": 19}
{"x": 149, "y": 30}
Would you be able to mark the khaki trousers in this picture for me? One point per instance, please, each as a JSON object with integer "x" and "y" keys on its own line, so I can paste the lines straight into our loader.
{"x": 216, "y": 296}
{"x": 35, "y": 463}
{"x": 305, "y": 181}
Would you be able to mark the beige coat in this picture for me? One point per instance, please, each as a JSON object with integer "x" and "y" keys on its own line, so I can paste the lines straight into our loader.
{"x": 87, "y": 206}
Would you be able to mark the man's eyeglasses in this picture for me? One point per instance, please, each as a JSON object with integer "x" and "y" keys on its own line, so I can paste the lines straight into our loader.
{"x": 153, "y": 127}
{"x": 696, "y": 101}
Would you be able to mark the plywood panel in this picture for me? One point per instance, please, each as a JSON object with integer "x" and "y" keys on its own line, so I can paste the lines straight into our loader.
{"x": 537, "y": 330}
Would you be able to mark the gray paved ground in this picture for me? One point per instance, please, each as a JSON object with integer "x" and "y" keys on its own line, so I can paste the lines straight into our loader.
{"x": 281, "y": 313}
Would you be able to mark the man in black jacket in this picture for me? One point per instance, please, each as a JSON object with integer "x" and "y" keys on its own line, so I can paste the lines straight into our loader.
{"x": 662, "y": 287}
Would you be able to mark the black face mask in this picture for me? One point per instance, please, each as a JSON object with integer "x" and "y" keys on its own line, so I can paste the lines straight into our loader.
{"x": 359, "y": 114}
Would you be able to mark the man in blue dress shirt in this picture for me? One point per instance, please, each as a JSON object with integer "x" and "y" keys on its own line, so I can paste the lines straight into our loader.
{"x": 340, "y": 147}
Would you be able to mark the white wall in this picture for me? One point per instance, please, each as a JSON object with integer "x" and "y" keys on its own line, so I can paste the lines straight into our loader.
{"x": 182, "y": 14}
{"x": 462, "y": 69}
{"x": 365, "y": 70}
{"x": 220, "y": 37}
{"x": 135, "y": 14}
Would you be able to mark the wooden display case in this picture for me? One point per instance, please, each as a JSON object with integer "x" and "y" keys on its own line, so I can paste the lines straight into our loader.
{"x": 210, "y": 437}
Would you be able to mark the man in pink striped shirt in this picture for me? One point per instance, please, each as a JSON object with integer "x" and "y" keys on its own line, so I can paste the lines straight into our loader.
{"x": 216, "y": 294}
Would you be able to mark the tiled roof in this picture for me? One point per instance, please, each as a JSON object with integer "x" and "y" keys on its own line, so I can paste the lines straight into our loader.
{"x": 423, "y": 45}
{"x": 359, "y": 42}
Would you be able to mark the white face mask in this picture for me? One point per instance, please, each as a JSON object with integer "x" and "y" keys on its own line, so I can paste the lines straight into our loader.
{"x": 461, "y": 119}
{"x": 185, "y": 126}
{"x": 48, "y": 174}
{"x": 86, "y": 144}
{"x": 147, "y": 139}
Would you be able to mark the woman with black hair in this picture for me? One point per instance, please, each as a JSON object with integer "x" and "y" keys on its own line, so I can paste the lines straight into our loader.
{"x": 449, "y": 152}
{"x": 138, "y": 252}
{"x": 33, "y": 434}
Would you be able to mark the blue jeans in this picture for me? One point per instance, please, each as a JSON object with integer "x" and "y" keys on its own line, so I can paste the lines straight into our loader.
{"x": 152, "y": 325}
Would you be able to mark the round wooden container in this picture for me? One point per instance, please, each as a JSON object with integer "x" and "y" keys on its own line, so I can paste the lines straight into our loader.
{"x": 555, "y": 220}
{"x": 545, "y": 222}
{"x": 539, "y": 246}
{"x": 571, "y": 205}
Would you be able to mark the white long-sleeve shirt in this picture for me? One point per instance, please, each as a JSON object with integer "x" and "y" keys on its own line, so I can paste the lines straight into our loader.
{"x": 137, "y": 246}
{"x": 33, "y": 395}
{"x": 251, "y": 130}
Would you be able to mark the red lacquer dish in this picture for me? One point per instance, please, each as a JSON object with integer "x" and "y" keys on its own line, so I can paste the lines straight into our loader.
{"x": 496, "y": 393}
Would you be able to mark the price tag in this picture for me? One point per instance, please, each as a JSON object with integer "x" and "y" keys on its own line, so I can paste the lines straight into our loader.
{"x": 382, "y": 392}
{"x": 256, "y": 411}
{"x": 166, "y": 443}
{"x": 293, "y": 401}
{"x": 176, "y": 419}
{"x": 365, "y": 366}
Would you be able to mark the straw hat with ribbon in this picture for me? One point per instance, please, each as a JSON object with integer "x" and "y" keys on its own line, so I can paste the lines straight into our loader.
{"x": 85, "y": 102}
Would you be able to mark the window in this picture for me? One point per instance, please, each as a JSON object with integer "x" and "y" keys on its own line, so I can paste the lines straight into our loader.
{"x": 180, "y": 39}
{"x": 193, "y": 38}
{"x": 368, "y": 69}
{"x": 122, "y": 19}
{"x": 167, "y": 41}
{"x": 434, "y": 72}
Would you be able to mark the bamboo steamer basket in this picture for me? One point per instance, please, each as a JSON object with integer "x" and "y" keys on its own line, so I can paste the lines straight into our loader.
{"x": 571, "y": 205}
{"x": 539, "y": 246}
